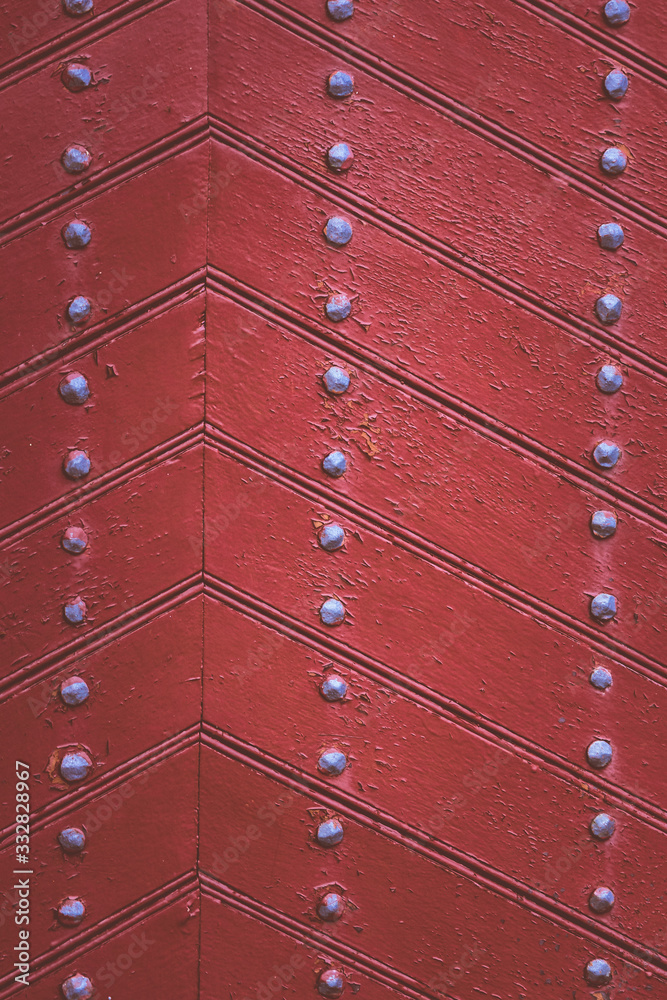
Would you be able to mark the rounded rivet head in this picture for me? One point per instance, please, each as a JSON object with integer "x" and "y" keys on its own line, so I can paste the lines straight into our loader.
{"x": 75, "y": 611}
{"x": 76, "y": 235}
{"x": 331, "y": 983}
{"x": 76, "y": 464}
{"x": 76, "y": 76}
{"x": 338, "y": 231}
{"x": 332, "y": 762}
{"x": 603, "y": 607}
{"x": 606, "y": 454}
{"x": 616, "y": 84}
{"x": 598, "y": 972}
{"x": 602, "y": 826}
{"x": 332, "y": 612}
{"x": 340, "y": 156}
{"x": 333, "y": 688}
{"x": 338, "y": 307}
{"x": 76, "y": 159}
{"x": 334, "y": 464}
{"x": 74, "y": 691}
{"x": 613, "y": 161}
{"x": 78, "y": 310}
{"x": 599, "y": 754}
{"x": 74, "y": 389}
{"x": 331, "y": 537}
{"x": 600, "y": 678}
{"x": 603, "y": 523}
{"x": 331, "y": 907}
{"x": 330, "y": 833}
{"x": 77, "y": 7}
{"x": 608, "y": 309}
{"x": 77, "y": 987}
{"x": 72, "y": 840}
{"x": 340, "y": 10}
{"x": 74, "y": 540}
{"x": 340, "y": 84}
{"x": 75, "y": 766}
{"x": 71, "y": 911}
{"x": 336, "y": 380}
{"x": 610, "y": 236}
{"x": 616, "y": 12}
{"x": 601, "y": 900}
{"x": 609, "y": 379}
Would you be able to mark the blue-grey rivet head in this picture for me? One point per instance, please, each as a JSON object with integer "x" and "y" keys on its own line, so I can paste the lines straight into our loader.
{"x": 77, "y": 987}
{"x": 603, "y": 607}
{"x": 74, "y": 540}
{"x": 601, "y": 900}
{"x": 76, "y": 159}
{"x": 336, "y": 380}
{"x": 72, "y": 840}
{"x": 71, "y": 911}
{"x": 331, "y": 983}
{"x": 75, "y": 766}
{"x": 340, "y": 10}
{"x": 600, "y": 678}
{"x": 602, "y": 826}
{"x": 340, "y": 156}
{"x": 332, "y": 762}
{"x": 74, "y": 389}
{"x": 603, "y": 523}
{"x": 599, "y": 753}
{"x": 332, "y": 612}
{"x": 606, "y": 454}
{"x": 76, "y": 235}
{"x": 613, "y": 161}
{"x": 76, "y": 464}
{"x": 610, "y": 236}
{"x": 598, "y": 972}
{"x": 76, "y": 77}
{"x": 334, "y": 464}
{"x": 338, "y": 231}
{"x": 608, "y": 308}
{"x": 75, "y": 611}
{"x": 609, "y": 379}
{"x": 79, "y": 309}
{"x": 331, "y": 537}
{"x": 340, "y": 84}
{"x": 338, "y": 307}
{"x": 333, "y": 688}
{"x": 330, "y": 833}
{"x": 74, "y": 691}
{"x": 616, "y": 84}
{"x": 331, "y": 907}
{"x": 616, "y": 12}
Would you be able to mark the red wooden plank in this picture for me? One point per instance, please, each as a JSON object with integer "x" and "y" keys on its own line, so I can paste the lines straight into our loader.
{"x": 33, "y": 25}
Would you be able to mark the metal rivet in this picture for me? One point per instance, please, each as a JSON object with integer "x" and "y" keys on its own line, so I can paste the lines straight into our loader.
{"x": 616, "y": 12}
{"x": 76, "y": 77}
{"x": 331, "y": 537}
{"x": 331, "y": 983}
{"x": 336, "y": 380}
{"x": 76, "y": 464}
{"x": 74, "y": 540}
{"x": 599, "y": 754}
{"x": 603, "y": 607}
{"x": 609, "y": 379}
{"x": 608, "y": 309}
{"x": 75, "y": 611}
{"x": 331, "y": 907}
{"x": 340, "y": 10}
{"x": 610, "y": 236}
{"x": 601, "y": 678}
{"x": 601, "y": 900}
{"x": 76, "y": 159}
{"x": 332, "y": 612}
{"x": 598, "y": 972}
{"x": 74, "y": 691}
{"x": 334, "y": 464}
{"x": 76, "y": 235}
{"x": 613, "y": 161}
{"x": 79, "y": 309}
{"x": 616, "y": 84}
{"x": 71, "y": 911}
{"x": 333, "y": 688}
{"x": 338, "y": 231}
{"x": 72, "y": 840}
{"x": 338, "y": 307}
{"x": 603, "y": 523}
{"x": 602, "y": 826}
{"x": 340, "y": 84}
{"x": 77, "y": 987}
{"x": 340, "y": 156}
{"x": 74, "y": 389}
{"x": 75, "y": 766}
{"x": 332, "y": 762}
{"x": 607, "y": 454}
{"x": 330, "y": 833}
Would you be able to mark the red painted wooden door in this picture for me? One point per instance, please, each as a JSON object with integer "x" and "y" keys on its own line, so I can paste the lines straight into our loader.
{"x": 333, "y": 524}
